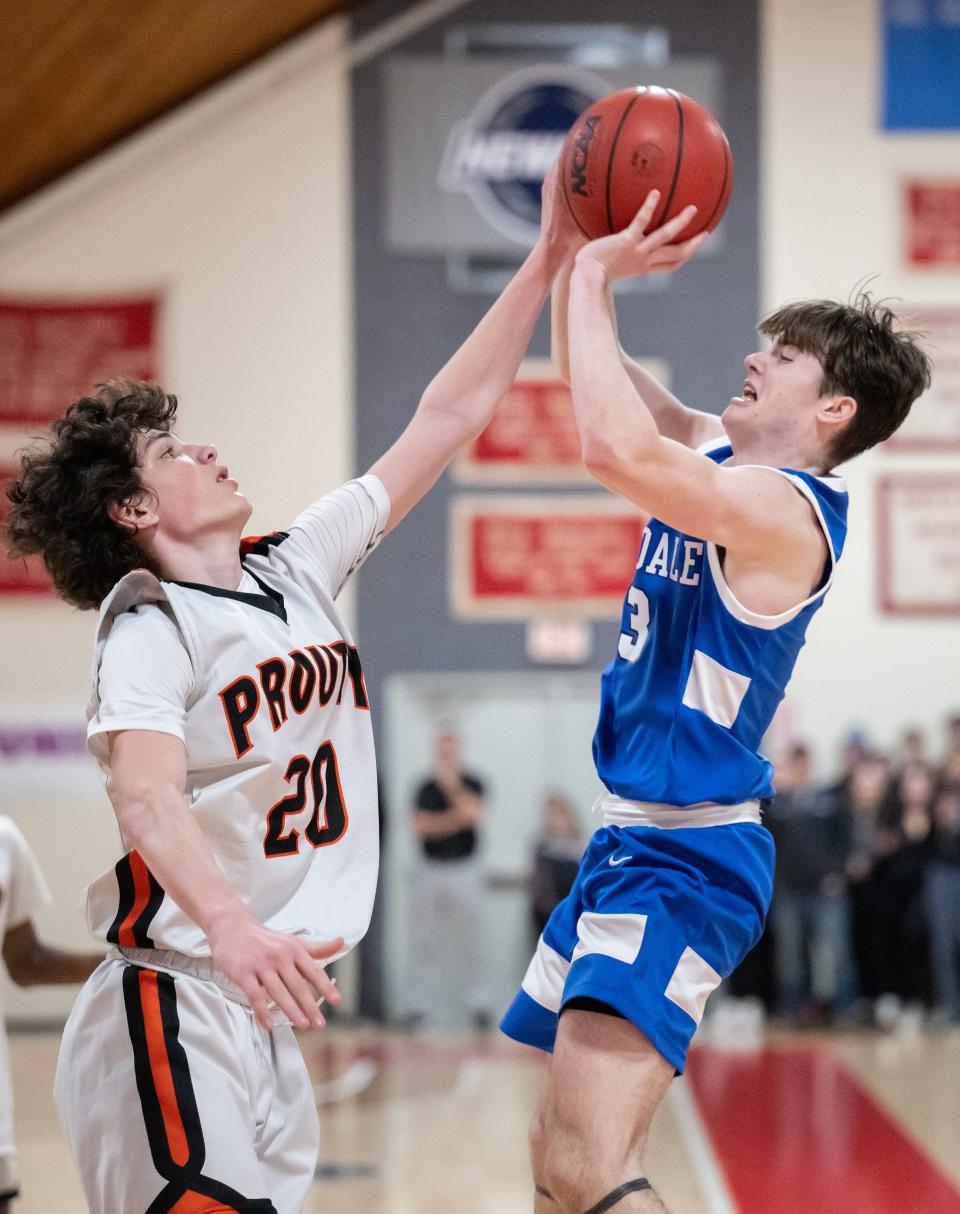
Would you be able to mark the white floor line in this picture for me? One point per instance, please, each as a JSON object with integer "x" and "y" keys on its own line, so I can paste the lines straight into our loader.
{"x": 706, "y": 1169}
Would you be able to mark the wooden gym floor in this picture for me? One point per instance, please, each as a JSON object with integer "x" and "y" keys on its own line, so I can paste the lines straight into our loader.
{"x": 429, "y": 1124}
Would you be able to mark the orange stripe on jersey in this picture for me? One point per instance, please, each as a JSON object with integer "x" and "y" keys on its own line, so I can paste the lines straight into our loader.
{"x": 196, "y": 1203}
{"x": 141, "y": 885}
{"x": 161, "y": 1073}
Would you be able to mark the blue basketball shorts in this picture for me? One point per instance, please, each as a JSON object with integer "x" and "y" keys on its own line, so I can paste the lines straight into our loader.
{"x": 655, "y": 920}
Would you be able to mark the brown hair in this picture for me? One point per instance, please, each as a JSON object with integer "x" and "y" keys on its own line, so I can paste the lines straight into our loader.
{"x": 863, "y": 356}
{"x": 69, "y": 478}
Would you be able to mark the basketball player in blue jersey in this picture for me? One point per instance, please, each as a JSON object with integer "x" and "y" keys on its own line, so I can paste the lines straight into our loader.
{"x": 747, "y": 523}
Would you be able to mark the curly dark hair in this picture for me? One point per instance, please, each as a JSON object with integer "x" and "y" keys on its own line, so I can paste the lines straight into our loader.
{"x": 864, "y": 356}
{"x": 68, "y": 479}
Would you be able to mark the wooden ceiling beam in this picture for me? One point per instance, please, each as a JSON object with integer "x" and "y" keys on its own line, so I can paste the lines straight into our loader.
{"x": 76, "y": 76}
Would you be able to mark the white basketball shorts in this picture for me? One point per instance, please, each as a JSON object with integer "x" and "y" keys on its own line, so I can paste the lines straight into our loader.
{"x": 174, "y": 1100}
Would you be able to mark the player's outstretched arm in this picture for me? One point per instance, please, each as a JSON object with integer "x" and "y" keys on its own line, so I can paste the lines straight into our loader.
{"x": 29, "y": 961}
{"x": 463, "y": 396}
{"x": 148, "y": 774}
{"x": 675, "y": 420}
{"x": 753, "y": 512}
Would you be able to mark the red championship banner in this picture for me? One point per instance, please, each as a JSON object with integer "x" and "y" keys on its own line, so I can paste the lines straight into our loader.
{"x": 516, "y": 556}
{"x": 934, "y": 421}
{"x": 54, "y": 350}
{"x": 918, "y": 539}
{"x": 533, "y": 435}
{"x": 931, "y": 223}
{"x": 18, "y": 576}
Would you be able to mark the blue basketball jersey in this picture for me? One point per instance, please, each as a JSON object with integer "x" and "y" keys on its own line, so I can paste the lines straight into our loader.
{"x": 697, "y": 676}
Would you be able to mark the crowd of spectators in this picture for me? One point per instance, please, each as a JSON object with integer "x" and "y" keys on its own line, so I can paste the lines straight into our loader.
{"x": 865, "y": 922}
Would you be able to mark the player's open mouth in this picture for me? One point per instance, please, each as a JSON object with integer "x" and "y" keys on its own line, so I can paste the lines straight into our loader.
{"x": 749, "y": 392}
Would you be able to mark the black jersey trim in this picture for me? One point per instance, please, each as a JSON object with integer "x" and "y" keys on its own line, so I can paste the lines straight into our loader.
{"x": 271, "y": 601}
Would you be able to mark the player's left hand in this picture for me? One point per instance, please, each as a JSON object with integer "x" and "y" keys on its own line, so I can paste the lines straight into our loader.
{"x": 635, "y": 251}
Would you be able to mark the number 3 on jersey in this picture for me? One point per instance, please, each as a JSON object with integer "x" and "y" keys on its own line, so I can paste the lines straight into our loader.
{"x": 632, "y": 642}
{"x": 328, "y": 822}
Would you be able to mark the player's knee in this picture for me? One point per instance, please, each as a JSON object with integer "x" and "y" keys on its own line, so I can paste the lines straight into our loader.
{"x": 578, "y": 1161}
{"x": 567, "y": 1164}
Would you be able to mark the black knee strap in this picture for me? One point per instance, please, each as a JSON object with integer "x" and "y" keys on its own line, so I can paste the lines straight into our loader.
{"x": 611, "y": 1199}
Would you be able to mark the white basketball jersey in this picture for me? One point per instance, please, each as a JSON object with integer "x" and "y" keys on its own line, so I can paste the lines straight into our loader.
{"x": 265, "y": 688}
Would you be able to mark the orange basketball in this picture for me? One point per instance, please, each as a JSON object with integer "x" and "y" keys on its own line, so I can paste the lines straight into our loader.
{"x": 642, "y": 139}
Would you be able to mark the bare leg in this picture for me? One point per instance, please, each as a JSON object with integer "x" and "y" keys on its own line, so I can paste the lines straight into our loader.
{"x": 604, "y": 1083}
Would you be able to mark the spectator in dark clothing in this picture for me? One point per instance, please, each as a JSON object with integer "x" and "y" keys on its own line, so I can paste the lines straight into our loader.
{"x": 900, "y": 876}
{"x": 448, "y": 812}
{"x": 813, "y": 831}
{"x": 867, "y": 794}
{"x": 891, "y": 820}
{"x": 942, "y": 901}
{"x": 556, "y": 858}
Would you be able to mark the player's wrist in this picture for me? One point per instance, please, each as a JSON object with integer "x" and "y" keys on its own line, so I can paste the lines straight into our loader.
{"x": 589, "y": 268}
{"x": 221, "y": 922}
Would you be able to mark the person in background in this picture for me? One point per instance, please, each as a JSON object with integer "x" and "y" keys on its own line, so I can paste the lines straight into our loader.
{"x": 950, "y": 763}
{"x": 900, "y": 922}
{"x": 556, "y": 858}
{"x": 448, "y": 815}
{"x": 853, "y": 749}
{"x": 29, "y": 962}
{"x": 813, "y": 832}
{"x": 942, "y": 902}
{"x": 913, "y": 747}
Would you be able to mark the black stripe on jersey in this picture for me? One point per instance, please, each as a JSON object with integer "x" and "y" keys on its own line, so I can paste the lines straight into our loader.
{"x": 260, "y": 545}
{"x": 128, "y": 896}
{"x": 148, "y": 914}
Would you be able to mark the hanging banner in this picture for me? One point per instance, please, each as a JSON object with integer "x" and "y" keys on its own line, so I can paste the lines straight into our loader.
{"x": 921, "y": 51}
{"x": 533, "y": 436}
{"x": 918, "y": 558}
{"x": 933, "y": 423}
{"x": 931, "y": 223}
{"x": 54, "y": 350}
{"x": 516, "y": 556}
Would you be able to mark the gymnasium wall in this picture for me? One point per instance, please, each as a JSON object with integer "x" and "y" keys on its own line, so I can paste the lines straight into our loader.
{"x": 830, "y": 208}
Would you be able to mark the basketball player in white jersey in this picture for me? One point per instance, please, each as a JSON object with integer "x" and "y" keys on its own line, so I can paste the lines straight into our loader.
{"x": 230, "y": 713}
{"x": 746, "y": 524}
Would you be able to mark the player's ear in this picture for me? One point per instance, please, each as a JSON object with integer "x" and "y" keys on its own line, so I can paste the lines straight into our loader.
{"x": 836, "y": 410}
{"x": 135, "y": 514}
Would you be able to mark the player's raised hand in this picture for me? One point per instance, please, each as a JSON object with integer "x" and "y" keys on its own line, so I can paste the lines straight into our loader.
{"x": 273, "y": 966}
{"x": 635, "y": 251}
{"x": 557, "y": 226}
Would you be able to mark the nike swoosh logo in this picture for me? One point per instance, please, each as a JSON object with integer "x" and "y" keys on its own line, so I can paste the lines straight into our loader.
{"x": 613, "y": 861}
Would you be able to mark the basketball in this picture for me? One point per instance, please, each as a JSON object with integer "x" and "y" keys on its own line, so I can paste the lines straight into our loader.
{"x": 642, "y": 139}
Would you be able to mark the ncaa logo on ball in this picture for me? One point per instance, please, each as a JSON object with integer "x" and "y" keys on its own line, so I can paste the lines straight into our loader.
{"x": 500, "y": 154}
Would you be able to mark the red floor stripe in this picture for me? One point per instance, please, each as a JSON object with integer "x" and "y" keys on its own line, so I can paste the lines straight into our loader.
{"x": 796, "y": 1134}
